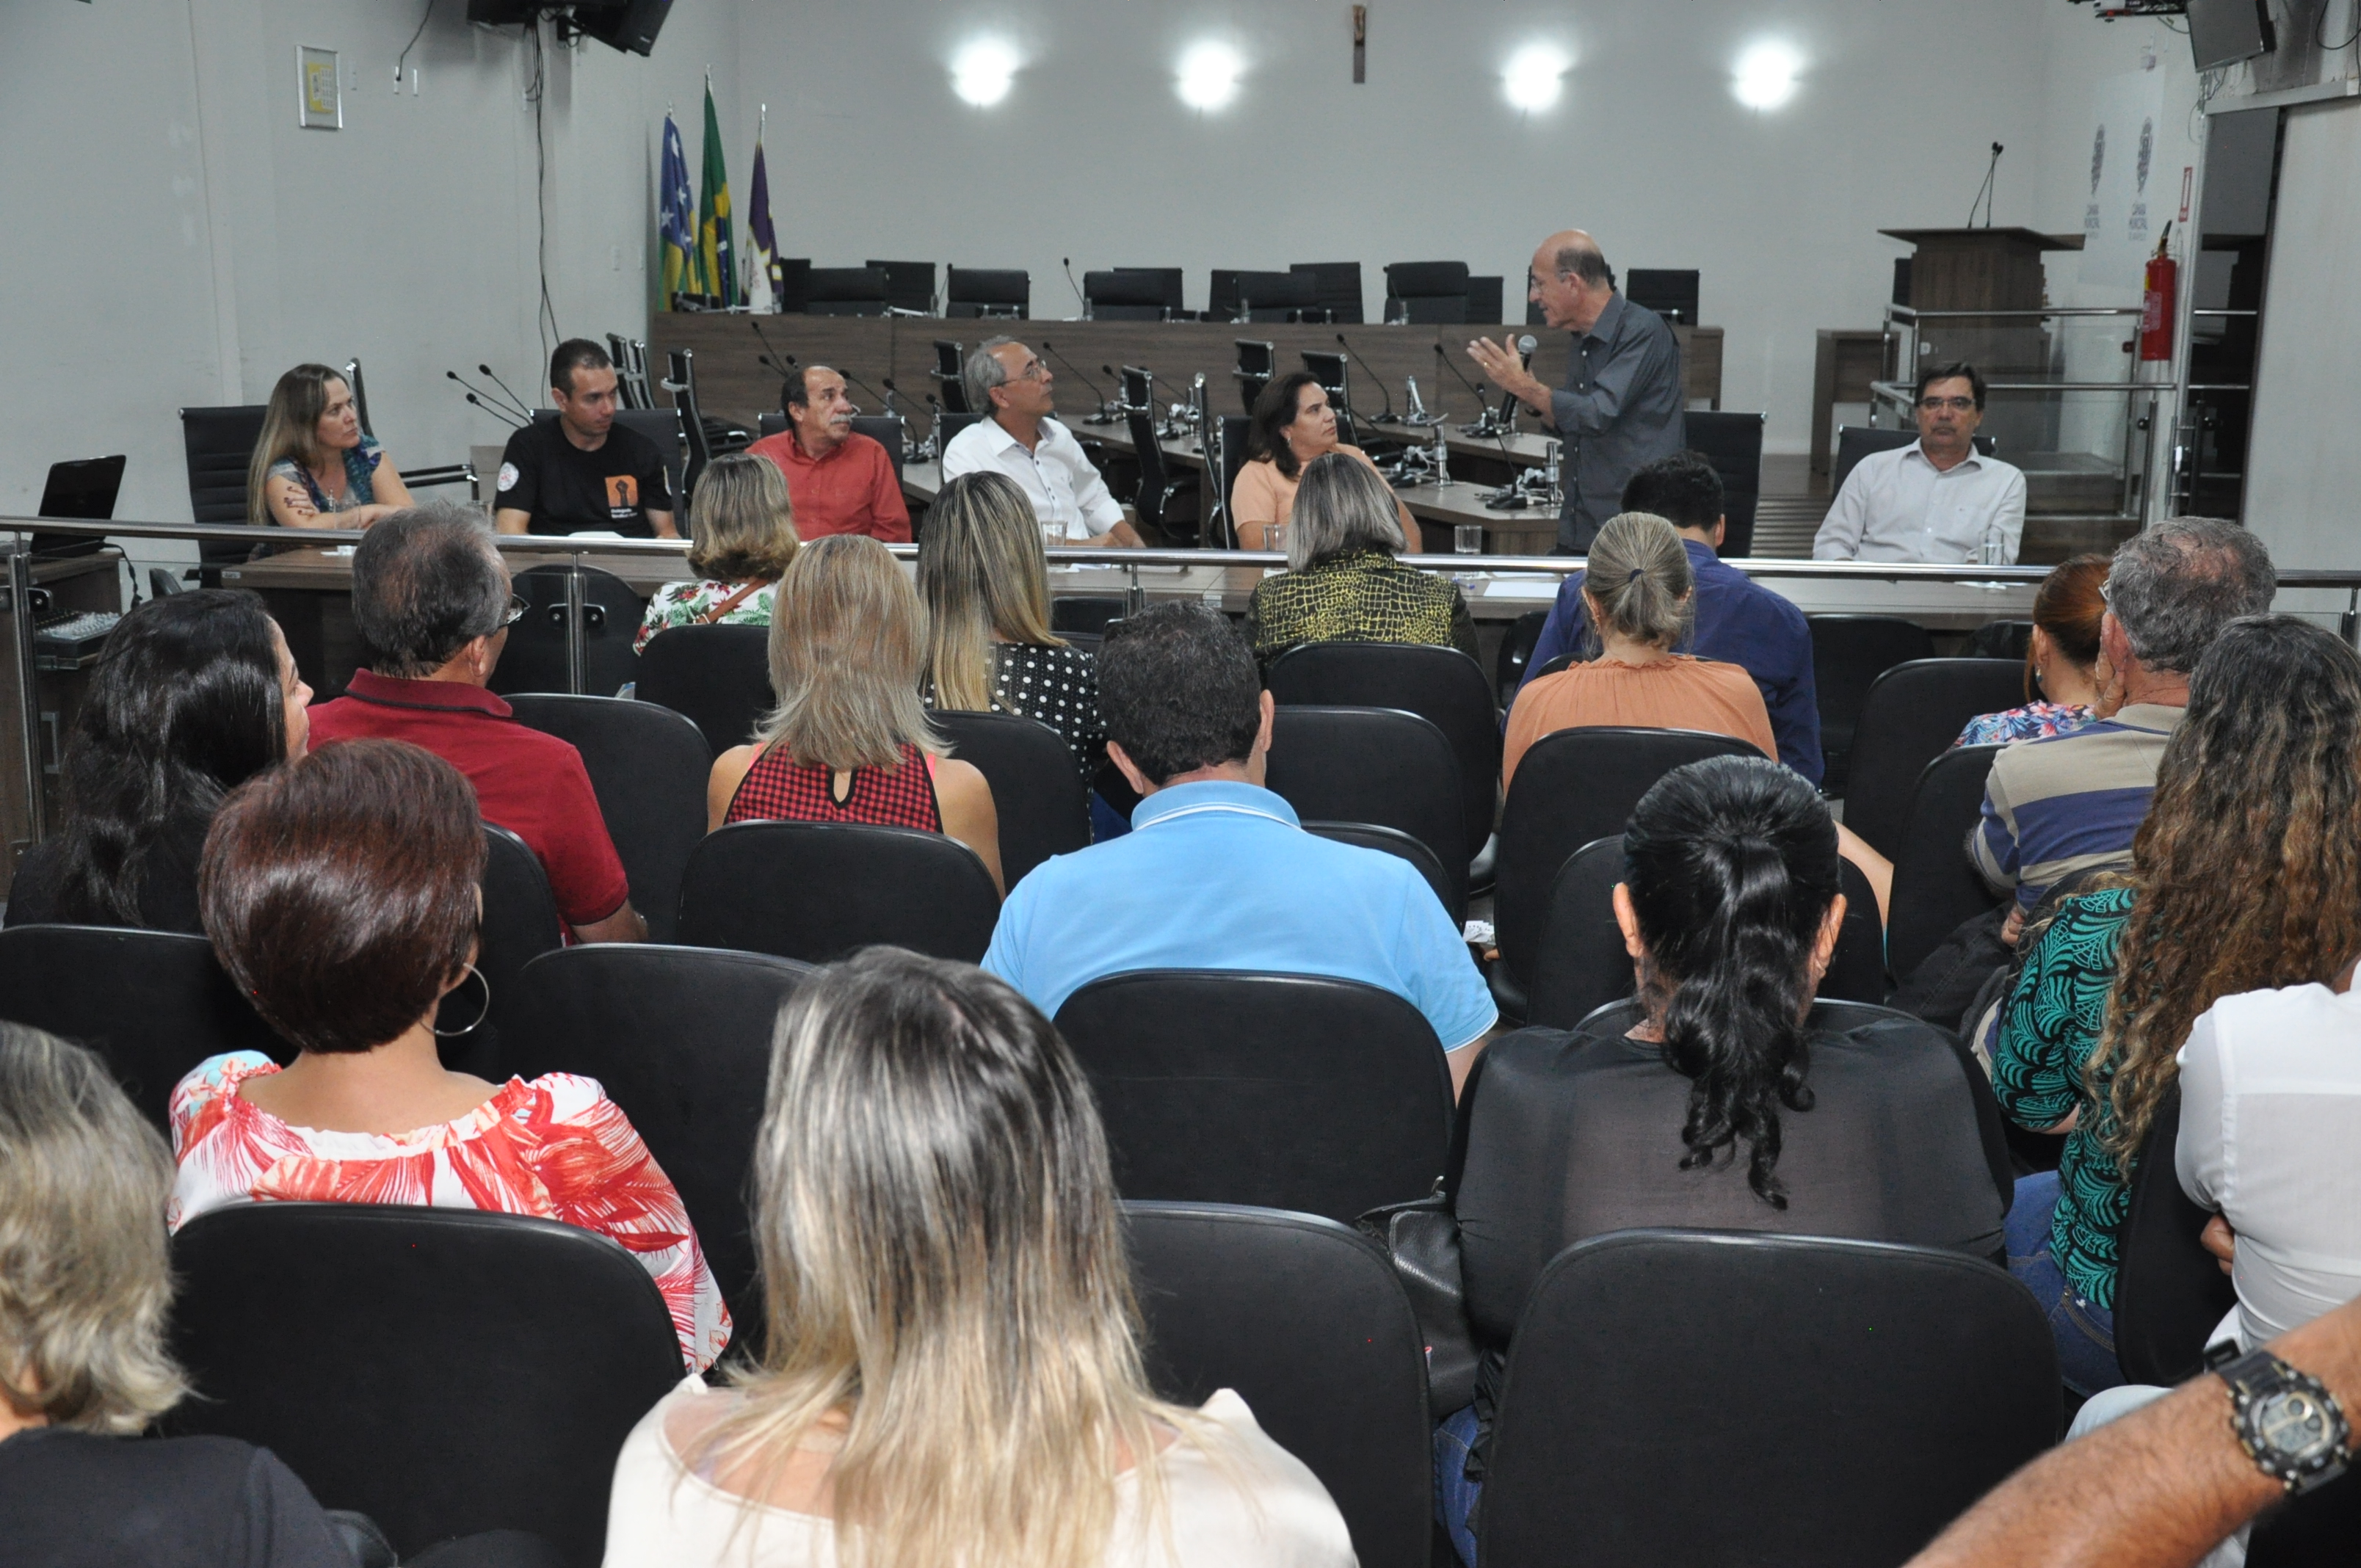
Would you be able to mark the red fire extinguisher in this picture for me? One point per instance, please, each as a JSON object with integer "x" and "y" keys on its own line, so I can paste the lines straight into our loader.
{"x": 2156, "y": 301}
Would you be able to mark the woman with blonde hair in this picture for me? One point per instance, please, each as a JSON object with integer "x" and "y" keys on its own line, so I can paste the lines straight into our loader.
{"x": 952, "y": 1374}
{"x": 849, "y": 741}
{"x": 1341, "y": 583}
{"x": 313, "y": 466}
{"x": 989, "y": 646}
{"x": 742, "y": 534}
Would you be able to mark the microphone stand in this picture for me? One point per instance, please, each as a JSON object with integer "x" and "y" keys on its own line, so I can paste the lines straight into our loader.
{"x": 1103, "y": 416}
{"x": 1386, "y": 415}
{"x": 1988, "y": 189}
{"x": 1068, "y": 263}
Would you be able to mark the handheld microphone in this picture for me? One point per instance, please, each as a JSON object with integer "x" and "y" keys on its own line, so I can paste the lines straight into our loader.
{"x": 503, "y": 386}
{"x": 1068, "y": 263}
{"x": 1101, "y": 416}
{"x": 1387, "y": 414}
{"x": 1525, "y": 346}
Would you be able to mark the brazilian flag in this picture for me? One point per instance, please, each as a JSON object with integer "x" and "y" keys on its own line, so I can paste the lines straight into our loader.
{"x": 716, "y": 255}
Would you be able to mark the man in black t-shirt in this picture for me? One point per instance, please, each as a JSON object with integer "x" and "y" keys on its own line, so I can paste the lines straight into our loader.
{"x": 579, "y": 472}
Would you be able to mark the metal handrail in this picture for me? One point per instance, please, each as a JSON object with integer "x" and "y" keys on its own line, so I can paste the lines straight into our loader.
{"x": 1919, "y": 315}
{"x": 1897, "y": 388}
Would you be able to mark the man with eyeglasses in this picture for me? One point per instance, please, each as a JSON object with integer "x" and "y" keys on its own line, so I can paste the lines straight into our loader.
{"x": 433, "y": 604}
{"x": 1008, "y": 384}
{"x": 1938, "y": 500}
{"x": 839, "y": 480}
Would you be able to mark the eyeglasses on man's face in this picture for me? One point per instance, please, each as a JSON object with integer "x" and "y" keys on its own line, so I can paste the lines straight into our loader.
{"x": 518, "y": 605}
{"x": 1936, "y": 405}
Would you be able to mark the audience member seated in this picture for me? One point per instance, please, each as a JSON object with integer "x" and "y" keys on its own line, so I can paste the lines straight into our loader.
{"x": 432, "y": 603}
{"x": 1938, "y": 500}
{"x": 742, "y": 533}
{"x": 988, "y": 647}
{"x": 1341, "y": 583}
{"x": 1007, "y": 383}
{"x": 2062, "y": 661}
{"x": 84, "y": 1290}
{"x": 313, "y": 465}
{"x": 2072, "y": 803}
{"x": 954, "y": 1369}
{"x": 1292, "y": 427}
{"x": 842, "y": 481}
{"x": 1720, "y": 1110}
{"x": 1738, "y": 620}
{"x": 850, "y": 741}
{"x": 1217, "y": 872}
{"x": 193, "y": 695}
{"x": 2246, "y": 875}
{"x": 581, "y": 473}
{"x": 341, "y": 894}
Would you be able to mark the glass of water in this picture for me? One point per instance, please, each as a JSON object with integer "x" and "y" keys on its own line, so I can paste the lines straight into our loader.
{"x": 1467, "y": 538}
{"x": 1053, "y": 535}
{"x": 1274, "y": 537}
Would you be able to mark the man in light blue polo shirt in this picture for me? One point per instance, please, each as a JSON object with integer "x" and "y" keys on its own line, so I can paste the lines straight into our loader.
{"x": 1216, "y": 872}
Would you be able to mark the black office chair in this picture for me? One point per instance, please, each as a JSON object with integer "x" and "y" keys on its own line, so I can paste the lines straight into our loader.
{"x": 719, "y": 677}
{"x": 1855, "y": 442}
{"x": 1305, "y": 1320}
{"x": 1849, "y": 653}
{"x": 219, "y": 444}
{"x": 815, "y": 890}
{"x": 681, "y": 384}
{"x": 1159, "y": 487}
{"x": 1734, "y": 443}
{"x": 161, "y": 583}
{"x": 151, "y": 1004}
{"x": 339, "y": 1335}
{"x": 972, "y": 291}
{"x": 1339, "y": 287}
{"x": 949, "y": 384}
{"x": 1671, "y": 292}
{"x": 1627, "y": 1337}
{"x": 1088, "y": 614}
{"x": 793, "y": 272}
{"x": 1393, "y": 842}
{"x": 1258, "y": 362}
{"x": 1122, "y": 296}
{"x": 886, "y": 431}
{"x": 536, "y": 659}
{"x": 521, "y": 922}
{"x": 1486, "y": 297}
{"x": 1278, "y": 297}
{"x": 1380, "y": 765}
{"x": 845, "y": 292}
{"x": 1286, "y": 1090}
{"x": 909, "y": 285}
{"x": 2010, "y": 639}
{"x": 1233, "y": 458}
{"x": 1911, "y": 716}
{"x": 2170, "y": 1292}
{"x": 1516, "y": 655}
{"x": 1571, "y": 788}
{"x": 697, "y": 1101}
{"x": 648, "y": 766}
{"x": 1424, "y": 293}
{"x": 1037, "y": 790}
{"x": 1442, "y": 685}
{"x": 947, "y": 426}
{"x": 1936, "y": 888}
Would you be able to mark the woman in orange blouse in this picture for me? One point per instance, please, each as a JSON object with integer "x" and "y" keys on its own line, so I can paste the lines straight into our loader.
{"x": 1292, "y": 425}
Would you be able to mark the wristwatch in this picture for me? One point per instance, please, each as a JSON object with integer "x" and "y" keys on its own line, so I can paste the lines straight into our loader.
{"x": 2287, "y": 1420}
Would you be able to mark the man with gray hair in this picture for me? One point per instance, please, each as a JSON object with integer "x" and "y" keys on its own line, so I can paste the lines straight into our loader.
{"x": 2067, "y": 804}
{"x": 432, "y": 603}
{"x": 1018, "y": 436}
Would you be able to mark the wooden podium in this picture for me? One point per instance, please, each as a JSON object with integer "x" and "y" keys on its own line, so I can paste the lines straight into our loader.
{"x": 1977, "y": 270}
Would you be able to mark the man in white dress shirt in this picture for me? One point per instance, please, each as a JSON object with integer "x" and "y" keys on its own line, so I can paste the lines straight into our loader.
{"x": 1008, "y": 383}
{"x": 1938, "y": 500}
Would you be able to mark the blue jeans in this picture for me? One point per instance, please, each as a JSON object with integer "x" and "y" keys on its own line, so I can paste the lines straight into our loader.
{"x": 2084, "y": 1331}
{"x": 1455, "y": 1494}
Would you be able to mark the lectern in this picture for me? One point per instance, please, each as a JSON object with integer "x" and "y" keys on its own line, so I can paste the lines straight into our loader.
{"x": 1977, "y": 270}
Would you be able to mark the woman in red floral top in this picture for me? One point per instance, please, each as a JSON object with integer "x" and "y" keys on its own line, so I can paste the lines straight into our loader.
{"x": 341, "y": 894}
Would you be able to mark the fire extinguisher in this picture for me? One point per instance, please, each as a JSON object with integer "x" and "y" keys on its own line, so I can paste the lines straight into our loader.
{"x": 2157, "y": 299}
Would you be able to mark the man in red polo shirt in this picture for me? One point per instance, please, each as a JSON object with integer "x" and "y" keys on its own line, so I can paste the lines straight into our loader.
{"x": 838, "y": 481}
{"x": 430, "y": 600}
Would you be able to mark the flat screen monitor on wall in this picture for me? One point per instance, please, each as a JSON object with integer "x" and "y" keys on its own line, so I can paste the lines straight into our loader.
{"x": 2223, "y": 32}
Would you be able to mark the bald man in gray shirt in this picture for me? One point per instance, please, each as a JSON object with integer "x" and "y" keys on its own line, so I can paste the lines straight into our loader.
{"x": 1620, "y": 407}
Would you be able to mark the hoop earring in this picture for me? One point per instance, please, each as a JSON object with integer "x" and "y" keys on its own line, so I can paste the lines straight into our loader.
{"x": 453, "y": 1034}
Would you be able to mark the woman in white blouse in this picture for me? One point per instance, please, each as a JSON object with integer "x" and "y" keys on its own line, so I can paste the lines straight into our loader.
{"x": 953, "y": 1370}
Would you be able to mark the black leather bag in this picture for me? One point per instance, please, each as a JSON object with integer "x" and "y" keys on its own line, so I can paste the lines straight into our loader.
{"x": 1422, "y": 1241}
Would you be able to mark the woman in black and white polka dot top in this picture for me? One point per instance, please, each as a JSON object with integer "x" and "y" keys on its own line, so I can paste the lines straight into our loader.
{"x": 987, "y": 587}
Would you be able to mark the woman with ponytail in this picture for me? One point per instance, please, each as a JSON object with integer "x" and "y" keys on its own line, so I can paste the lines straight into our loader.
{"x": 1710, "y": 1101}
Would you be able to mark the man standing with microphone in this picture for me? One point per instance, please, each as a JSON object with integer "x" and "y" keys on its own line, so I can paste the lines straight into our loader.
{"x": 1620, "y": 407}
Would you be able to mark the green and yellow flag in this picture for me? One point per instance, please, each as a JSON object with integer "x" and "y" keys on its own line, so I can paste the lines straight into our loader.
{"x": 716, "y": 255}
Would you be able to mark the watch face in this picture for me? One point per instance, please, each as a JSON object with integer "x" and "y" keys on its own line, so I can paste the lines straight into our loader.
{"x": 2293, "y": 1426}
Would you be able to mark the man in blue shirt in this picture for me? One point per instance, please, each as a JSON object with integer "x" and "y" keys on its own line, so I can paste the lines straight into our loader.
{"x": 1216, "y": 871}
{"x": 1739, "y": 621}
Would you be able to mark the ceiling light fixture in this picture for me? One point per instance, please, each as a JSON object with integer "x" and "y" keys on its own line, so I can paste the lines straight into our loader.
{"x": 1766, "y": 75}
{"x": 1534, "y": 77}
{"x": 983, "y": 70}
{"x": 1209, "y": 76}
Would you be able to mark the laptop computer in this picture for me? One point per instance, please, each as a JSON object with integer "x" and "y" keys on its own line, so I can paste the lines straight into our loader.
{"x": 83, "y": 489}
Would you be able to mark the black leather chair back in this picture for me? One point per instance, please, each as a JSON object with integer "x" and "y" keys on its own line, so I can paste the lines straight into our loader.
{"x": 2170, "y": 1293}
{"x": 909, "y": 285}
{"x": 1085, "y": 613}
{"x": 1856, "y": 969}
{"x": 988, "y": 292}
{"x": 1442, "y": 685}
{"x": 886, "y": 431}
{"x": 1157, "y": 486}
{"x": 1339, "y": 285}
{"x": 521, "y": 922}
{"x": 1849, "y": 653}
{"x": 344, "y": 1337}
{"x": 679, "y": 1037}
{"x": 662, "y": 427}
{"x": 1935, "y": 886}
{"x": 845, "y": 292}
{"x": 151, "y": 1004}
{"x": 1421, "y": 293}
{"x": 1911, "y": 716}
{"x": 1380, "y": 765}
{"x": 1572, "y": 787}
{"x": 1734, "y": 443}
{"x": 1394, "y": 841}
{"x": 815, "y": 890}
{"x": 1305, "y": 1320}
{"x": 1710, "y": 1363}
{"x": 1123, "y": 295}
{"x": 949, "y": 423}
{"x": 648, "y": 767}
{"x": 1515, "y": 656}
{"x": 717, "y": 676}
{"x": 1234, "y": 457}
{"x": 1290, "y": 1092}
{"x": 219, "y": 444}
{"x": 535, "y": 657}
{"x": 951, "y": 392}
{"x": 1036, "y": 787}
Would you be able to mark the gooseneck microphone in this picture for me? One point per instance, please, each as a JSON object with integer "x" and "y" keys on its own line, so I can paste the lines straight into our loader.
{"x": 498, "y": 412}
{"x": 1385, "y": 415}
{"x": 1100, "y": 416}
{"x": 488, "y": 402}
{"x": 1068, "y": 263}
{"x": 503, "y": 386}
{"x": 865, "y": 387}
